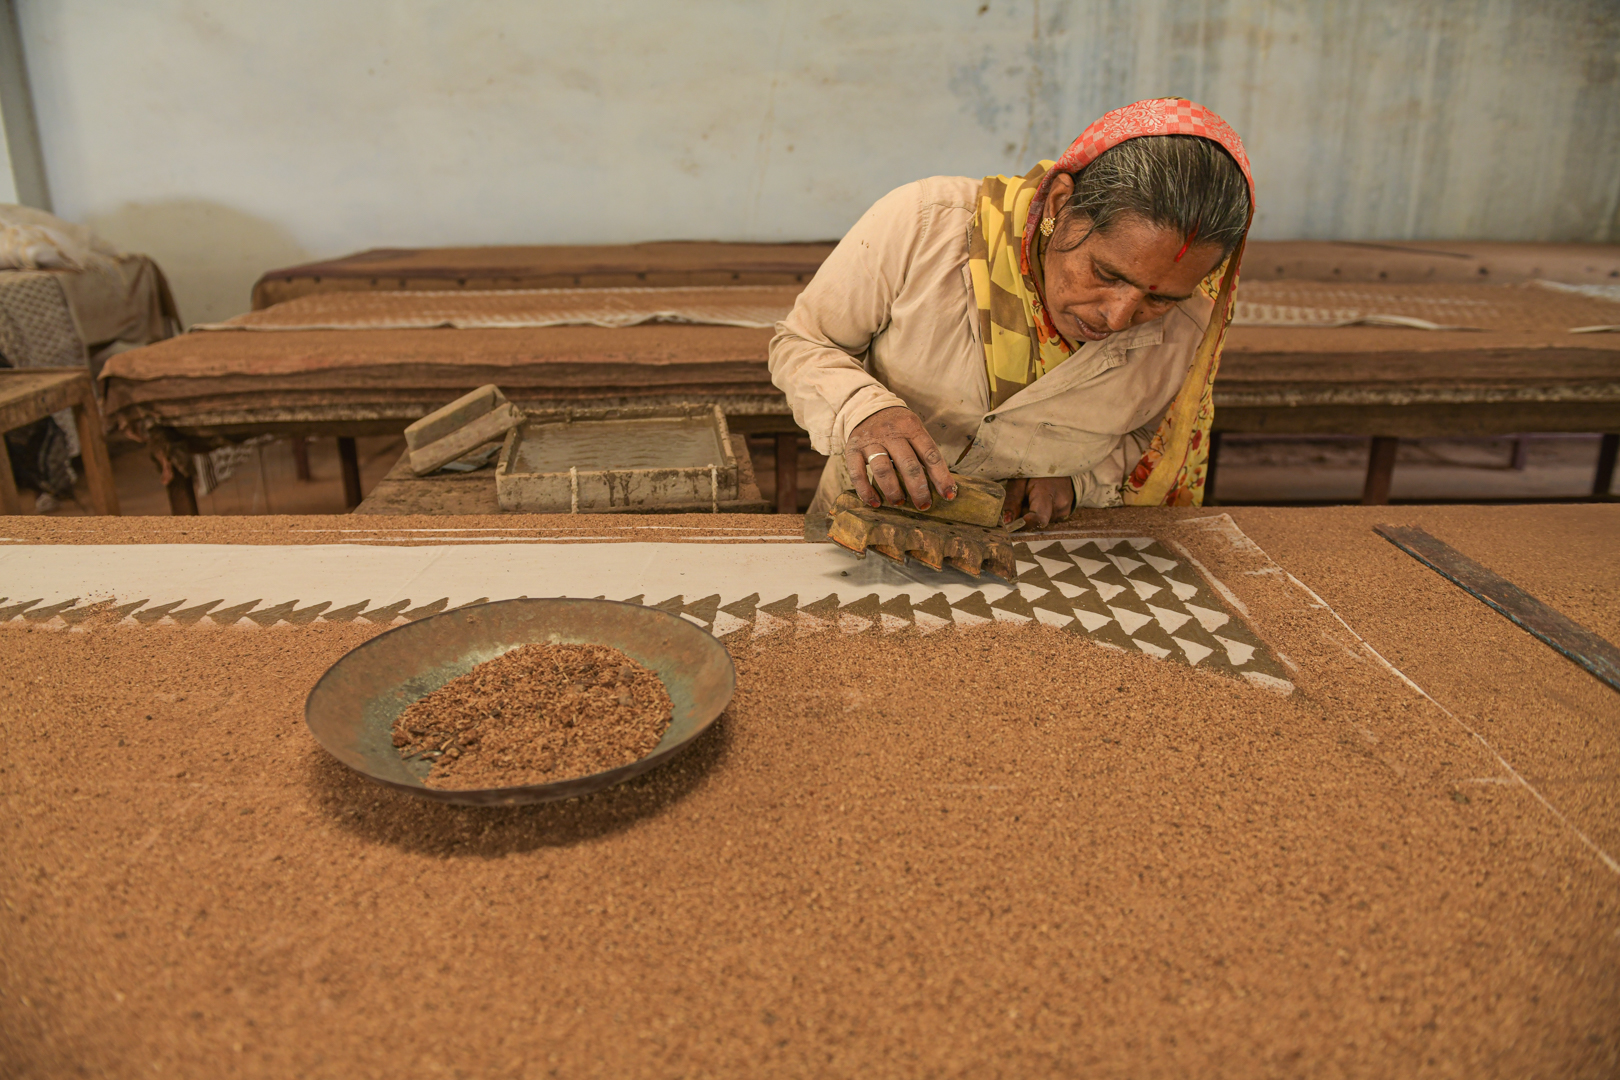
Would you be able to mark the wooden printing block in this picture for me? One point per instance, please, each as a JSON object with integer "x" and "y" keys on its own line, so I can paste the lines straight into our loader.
{"x": 465, "y": 424}
{"x": 978, "y": 502}
{"x": 932, "y": 542}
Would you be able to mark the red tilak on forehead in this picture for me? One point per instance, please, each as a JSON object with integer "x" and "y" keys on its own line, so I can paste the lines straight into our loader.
{"x": 1190, "y": 238}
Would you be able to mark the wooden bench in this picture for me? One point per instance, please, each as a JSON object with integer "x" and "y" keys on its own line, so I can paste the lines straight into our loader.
{"x": 30, "y": 395}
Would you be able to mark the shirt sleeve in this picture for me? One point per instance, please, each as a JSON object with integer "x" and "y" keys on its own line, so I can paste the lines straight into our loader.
{"x": 817, "y": 356}
{"x": 1103, "y": 485}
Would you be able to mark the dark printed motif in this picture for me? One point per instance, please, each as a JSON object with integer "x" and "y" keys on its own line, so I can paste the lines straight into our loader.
{"x": 1129, "y": 594}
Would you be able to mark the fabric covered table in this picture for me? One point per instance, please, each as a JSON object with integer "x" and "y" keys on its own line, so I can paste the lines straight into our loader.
{"x": 1503, "y": 361}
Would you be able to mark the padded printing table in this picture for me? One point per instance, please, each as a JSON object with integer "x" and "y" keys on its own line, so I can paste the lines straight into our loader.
{"x": 1521, "y": 371}
{"x": 1409, "y": 858}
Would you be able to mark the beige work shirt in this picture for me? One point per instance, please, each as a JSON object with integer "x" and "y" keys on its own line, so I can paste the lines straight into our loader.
{"x": 890, "y": 319}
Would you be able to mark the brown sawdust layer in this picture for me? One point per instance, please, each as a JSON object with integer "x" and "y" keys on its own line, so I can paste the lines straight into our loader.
{"x": 537, "y": 714}
{"x": 989, "y": 853}
{"x": 1558, "y": 725}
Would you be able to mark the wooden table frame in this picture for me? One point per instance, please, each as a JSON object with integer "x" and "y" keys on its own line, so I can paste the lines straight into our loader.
{"x": 30, "y": 395}
{"x": 1387, "y": 422}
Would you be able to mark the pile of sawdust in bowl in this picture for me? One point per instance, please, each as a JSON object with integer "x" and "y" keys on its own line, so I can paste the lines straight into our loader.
{"x": 536, "y": 715}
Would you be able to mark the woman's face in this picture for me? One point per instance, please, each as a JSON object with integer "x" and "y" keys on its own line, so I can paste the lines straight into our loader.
{"x": 1114, "y": 280}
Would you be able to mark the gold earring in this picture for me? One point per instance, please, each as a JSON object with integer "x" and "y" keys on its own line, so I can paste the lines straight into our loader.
{"x": 1047, "y": 225}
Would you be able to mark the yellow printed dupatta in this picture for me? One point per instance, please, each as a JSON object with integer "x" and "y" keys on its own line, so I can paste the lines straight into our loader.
{"x": 1021, "y": 344}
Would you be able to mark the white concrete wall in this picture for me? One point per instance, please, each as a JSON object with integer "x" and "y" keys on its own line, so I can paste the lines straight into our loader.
{"x": 228, "y": 136}
{"x": 8, "y": 182}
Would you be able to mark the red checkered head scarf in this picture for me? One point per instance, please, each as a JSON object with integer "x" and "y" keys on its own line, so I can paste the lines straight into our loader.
{"x": 1156, "y": 116}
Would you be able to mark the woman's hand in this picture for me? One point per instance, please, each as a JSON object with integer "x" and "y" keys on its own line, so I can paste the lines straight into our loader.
{"x": 1039, "y": 501}
{"x": 895, "y": 445}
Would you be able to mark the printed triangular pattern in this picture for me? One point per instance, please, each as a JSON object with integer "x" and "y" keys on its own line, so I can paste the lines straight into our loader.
{"x": 45, "y": 614}
{"x": 1054, "y": 601}
{"x": 975, "y": 604}
{"x": 823, "y": 608}
{"x": 1110, "y": 633}
{"x": 1194, "y": 634}
{"x": 345, "y": 614}
{"x": 146, "y": 615}
{"x": 1125, "y": 592}
{"x": 727, "y": 623}
{"x": 1151, "y": 633}
{"x": 232, "y": 615}
{"x": 1090, "y": 601}
{"x": 899, "y": 607}
{"x": 75, "y": 615}
{"x": 1053, "y": 550}
{"x": 272, "y": 615}
{"x": 1109, "y": 574}
{"x": 1183, "y": 590}
{"x": 866, "y": 607}
{"x": 703, "y": 610}
{"x": 744, "y": 608}
{"x": 189, "y": 615}
{"x": 1073, "y": 576}
{"x": 12, "y": 611}
{"x": 896, "y": 614}
{"x": 384, "y": 615}
{"x": 1015, "y": 603}
{"x": 304, "y": 616}
{"x": 783, "y": 608}
{"x": 1089, "y": 557}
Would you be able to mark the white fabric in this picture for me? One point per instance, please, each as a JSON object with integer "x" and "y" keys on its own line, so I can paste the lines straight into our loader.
{"x": 31, "y": 239}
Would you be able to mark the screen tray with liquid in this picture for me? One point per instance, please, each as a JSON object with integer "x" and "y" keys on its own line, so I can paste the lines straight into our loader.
{"x": 605, "y": 445}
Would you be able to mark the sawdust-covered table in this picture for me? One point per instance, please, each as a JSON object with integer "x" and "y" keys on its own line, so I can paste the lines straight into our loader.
{"x": 1198, "y": 794}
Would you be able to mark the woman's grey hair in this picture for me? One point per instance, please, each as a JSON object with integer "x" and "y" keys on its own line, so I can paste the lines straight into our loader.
{"x": 1181, "y": 182}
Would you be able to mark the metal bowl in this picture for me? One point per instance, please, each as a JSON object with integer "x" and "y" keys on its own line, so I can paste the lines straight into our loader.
{"x": 351, "y": 710}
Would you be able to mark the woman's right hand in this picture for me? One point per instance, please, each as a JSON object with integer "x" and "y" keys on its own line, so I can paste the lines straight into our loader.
{"x": 896, "y": 447}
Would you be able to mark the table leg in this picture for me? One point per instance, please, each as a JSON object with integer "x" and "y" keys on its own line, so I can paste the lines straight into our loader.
{"x": 9, "y": 502}
{"x": 300, "y": 452}
{"x": 182, "y": 496}
{"x": 1380, "y": 469}
{"x": 1209, "y": 469}
{"x": 787, "y": 473}
{"x": 1608, "y": 450}
{"x": 349, "y": 456}
{"x": 93, "y": 452}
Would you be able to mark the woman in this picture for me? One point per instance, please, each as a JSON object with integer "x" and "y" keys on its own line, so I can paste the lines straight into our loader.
{"x": 1057, "y": 332}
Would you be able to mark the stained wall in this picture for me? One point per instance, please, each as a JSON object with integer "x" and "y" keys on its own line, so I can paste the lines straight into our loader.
{"x": 228, "y": 136}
